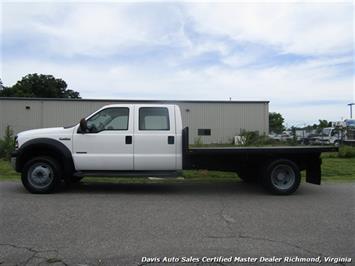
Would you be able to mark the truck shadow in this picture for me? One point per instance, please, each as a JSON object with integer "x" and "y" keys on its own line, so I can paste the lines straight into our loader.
{"x": 163, "y": 188}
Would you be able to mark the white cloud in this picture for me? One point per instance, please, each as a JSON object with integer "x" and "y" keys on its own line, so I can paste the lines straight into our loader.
{"x": 69, "y": 36}
{"x": 95, "y": 29}
{"x": 302, "y": 28}
{"x": 280, "y": 85}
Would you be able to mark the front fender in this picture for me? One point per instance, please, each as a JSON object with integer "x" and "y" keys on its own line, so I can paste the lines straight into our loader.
{"x": 44, "y": 146}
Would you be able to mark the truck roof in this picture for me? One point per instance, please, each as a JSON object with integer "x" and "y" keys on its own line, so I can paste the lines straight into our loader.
{"x": 131, "y": 100}
{"x": 139, "y": 104}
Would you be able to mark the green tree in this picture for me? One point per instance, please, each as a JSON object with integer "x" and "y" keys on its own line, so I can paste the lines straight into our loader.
{"x": 324, "y": 123}
{"x": 43, "y": 86}
{"x": 276, "y": 122}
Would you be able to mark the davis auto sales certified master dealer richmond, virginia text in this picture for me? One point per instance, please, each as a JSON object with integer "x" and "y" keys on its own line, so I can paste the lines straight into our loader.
{"x": 236, "y": 259}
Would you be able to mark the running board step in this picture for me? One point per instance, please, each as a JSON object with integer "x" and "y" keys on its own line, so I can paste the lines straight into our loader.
{"x": 162, "y": 174}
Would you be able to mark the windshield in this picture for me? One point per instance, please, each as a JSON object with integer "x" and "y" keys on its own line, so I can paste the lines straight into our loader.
{"x": 350, "y": 122}
{"x": 326, "y": 131}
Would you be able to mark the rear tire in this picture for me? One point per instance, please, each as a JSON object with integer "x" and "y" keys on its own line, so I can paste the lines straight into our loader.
{"x": 41, "y": 175}
{"x": 281, "y": 177}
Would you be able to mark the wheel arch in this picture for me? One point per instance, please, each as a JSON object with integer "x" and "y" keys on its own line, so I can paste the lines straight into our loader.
{"x": 45, "y": 147}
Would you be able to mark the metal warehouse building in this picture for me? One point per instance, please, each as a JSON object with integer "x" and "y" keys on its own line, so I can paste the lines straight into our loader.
{"x": 209, "y": 121}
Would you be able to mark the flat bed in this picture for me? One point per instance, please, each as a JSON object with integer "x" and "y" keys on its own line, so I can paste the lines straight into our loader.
{"x": 270, "y": 165}
{"x": 262, "y": 150}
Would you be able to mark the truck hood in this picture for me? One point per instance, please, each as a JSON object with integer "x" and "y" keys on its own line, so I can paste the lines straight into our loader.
{"x": 61, "y": 134}
{"x": 41, "y": 131}
{"x": 53, "y": 132}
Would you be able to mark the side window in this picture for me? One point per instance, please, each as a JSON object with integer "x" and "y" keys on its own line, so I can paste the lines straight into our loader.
{"x": 335, "y": 133}
{"x": 154, "y": 118}
{"x": 109, "y": 119}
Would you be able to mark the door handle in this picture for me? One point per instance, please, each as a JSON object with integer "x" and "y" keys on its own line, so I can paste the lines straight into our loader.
{"x": 171, "y": 139}
{"x": 128, "y": 139}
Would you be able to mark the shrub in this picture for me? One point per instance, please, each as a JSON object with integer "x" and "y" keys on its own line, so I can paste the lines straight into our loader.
{"x": 252, "y": 138}
{"x": 7, "y": 144}
{"x": 346, "y": 152}
{"x": 198, "y": 142}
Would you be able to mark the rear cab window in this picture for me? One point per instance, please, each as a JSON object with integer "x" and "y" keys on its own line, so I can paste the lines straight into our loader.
{"x": 154, "y": 118}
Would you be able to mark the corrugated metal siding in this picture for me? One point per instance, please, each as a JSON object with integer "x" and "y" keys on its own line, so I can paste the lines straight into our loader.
{"x": 15, "y": 114}
{"x": 223, "y": 118}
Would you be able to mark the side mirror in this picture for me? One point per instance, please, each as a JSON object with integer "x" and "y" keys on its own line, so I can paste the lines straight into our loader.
{"x": 83, "y": 126}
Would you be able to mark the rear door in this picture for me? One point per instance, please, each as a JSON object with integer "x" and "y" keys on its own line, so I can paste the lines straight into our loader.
{"x": 154, "y": 138}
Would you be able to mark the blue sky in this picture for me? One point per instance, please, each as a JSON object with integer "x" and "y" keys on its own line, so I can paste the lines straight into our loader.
{"x": 300, "y": 56}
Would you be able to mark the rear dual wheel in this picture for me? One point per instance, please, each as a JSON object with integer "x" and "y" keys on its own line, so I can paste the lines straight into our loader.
{"x": 281, "y": 177}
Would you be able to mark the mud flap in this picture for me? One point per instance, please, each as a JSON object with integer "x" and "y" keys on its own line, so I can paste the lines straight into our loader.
{"x": 313, "y": 171}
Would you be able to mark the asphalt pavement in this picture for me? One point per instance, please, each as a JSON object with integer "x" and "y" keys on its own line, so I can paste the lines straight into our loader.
{"x": 200, "y": 224}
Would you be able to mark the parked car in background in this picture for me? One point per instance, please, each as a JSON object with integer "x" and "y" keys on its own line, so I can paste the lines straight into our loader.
{"x": 328, "y": 136}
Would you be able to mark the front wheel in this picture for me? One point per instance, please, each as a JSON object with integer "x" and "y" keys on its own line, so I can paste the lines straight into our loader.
{"x": 41, "y": 175}
{"x": 281, "y": 177}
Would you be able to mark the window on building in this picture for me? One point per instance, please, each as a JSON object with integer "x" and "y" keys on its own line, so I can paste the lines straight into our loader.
{"x": 204, "y": 132}
{"x": 154, "y": 118}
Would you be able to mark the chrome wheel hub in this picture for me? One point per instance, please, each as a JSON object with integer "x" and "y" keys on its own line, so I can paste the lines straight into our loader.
{"x": 40, "y": 175}
{"x": 283, "y": 176}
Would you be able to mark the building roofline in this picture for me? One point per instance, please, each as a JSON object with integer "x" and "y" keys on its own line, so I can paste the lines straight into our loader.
{"x": 124, "y": 100}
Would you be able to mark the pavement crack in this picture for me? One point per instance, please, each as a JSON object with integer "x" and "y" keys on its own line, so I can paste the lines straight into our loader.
{"x": 228, "y": 221}
{"x": 285, "y": 243}
{"x": 144, "y": 263}
{"x": 19, "y": 247}
{"x": 242, "y": 236}
{"x": 280, "y": 242}
{"x": 222, "y": 237}
{"x": 36, "y": 253}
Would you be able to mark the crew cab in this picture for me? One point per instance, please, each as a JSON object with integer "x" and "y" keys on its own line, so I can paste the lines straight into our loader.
{"x": 149, "y": 140}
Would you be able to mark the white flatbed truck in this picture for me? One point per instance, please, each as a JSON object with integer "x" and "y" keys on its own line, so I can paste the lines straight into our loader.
{"x": 149, "y": 140}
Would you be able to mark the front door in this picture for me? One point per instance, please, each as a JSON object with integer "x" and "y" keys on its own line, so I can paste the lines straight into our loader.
{"x": 154, "y": 138}
{"x": 108, "y": 145}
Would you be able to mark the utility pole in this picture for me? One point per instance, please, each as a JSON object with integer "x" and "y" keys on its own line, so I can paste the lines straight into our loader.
{"x": 351, "y": 109}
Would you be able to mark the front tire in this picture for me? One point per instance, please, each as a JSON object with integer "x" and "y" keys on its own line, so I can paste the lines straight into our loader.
{"x": 41, "y": 175}
{"x": 281, "y": 177}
